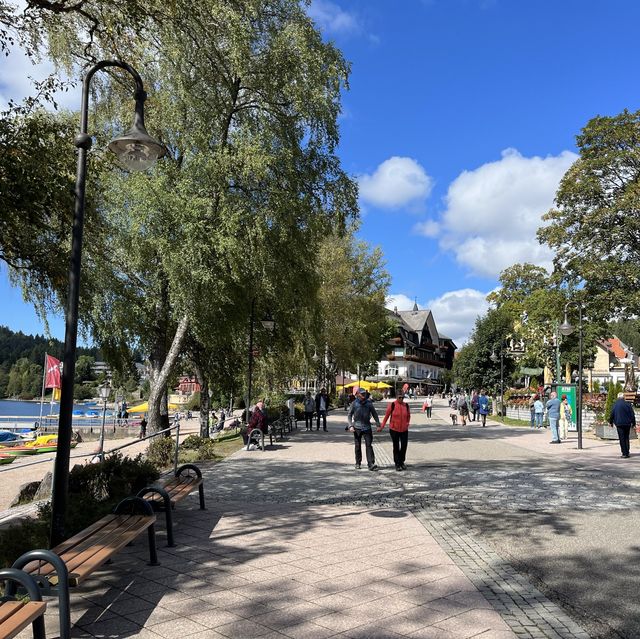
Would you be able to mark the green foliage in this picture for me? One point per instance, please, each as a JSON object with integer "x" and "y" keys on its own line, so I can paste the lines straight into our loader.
{"x": 594, "y": 228}
{"x": 24, "y": 380}
{"x": 19, "y": 538}
{"x": 193, "y": 403}
{"x": 473, "y": 367}
{"x": 196, "y": 448}
{"x": 612, "y": 395}
{"x": 596, "y": 386}
{"x": 161, "y": 452}
{"x": 83, "y": 391}
{"x": 192, "y": 442}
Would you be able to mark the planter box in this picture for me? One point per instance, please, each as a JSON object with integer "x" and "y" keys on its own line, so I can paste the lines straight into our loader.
{"x": 604, "y": 431}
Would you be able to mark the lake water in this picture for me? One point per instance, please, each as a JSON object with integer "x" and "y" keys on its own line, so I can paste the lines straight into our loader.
{"x": 32, "y": 409}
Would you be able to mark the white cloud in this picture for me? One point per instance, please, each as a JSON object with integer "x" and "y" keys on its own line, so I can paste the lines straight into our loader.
{"x": 397, "y": 182}
{"x": 330, "y": 18}
{"x": 428, "y": 228}
{"x": 454, "y": 312}
{"x": 494, "y": 211}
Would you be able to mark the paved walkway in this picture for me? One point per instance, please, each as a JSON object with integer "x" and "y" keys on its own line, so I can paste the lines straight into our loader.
{"x": 297, "y": 543}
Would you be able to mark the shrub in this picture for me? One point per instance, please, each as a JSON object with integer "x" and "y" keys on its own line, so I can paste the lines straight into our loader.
{"x": 376, "y": 396}
{"x": 19, "y": 538}
{"x": 193, "y": 442}
{"x": 161, "y": 451}
{"x": 207, "y": 450}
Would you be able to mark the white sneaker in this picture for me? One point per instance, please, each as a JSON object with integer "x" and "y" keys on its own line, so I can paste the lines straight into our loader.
{"x": 252, "y": 447}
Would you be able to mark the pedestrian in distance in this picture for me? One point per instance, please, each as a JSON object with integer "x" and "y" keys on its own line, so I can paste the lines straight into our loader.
{"x": 309, "y": 406}
{"x": 428, "y": 405}
{"x": 143, "y": 427}
{"x": 566, "y": 415}
{"x": 532, "y": 409}
{"x": 474, "y": 406}
{"x": 359, "y": 420}
{"x": 398, "y": 415}
{"x": 538, "y": 411}
{"x": 483, "y": 407}
{"x": 463, "y": 409}
{"x": 322, "y": 406}
{"x": 623, "y": 418}
{"x": 553, "y": 413}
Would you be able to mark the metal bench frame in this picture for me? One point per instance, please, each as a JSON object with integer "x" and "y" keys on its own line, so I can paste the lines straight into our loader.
{"x": 168, "y": 504}
{"x": 15, "y": 576}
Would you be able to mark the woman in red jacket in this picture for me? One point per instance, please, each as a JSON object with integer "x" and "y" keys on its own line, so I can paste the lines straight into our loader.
{"x": 398, "y": 416}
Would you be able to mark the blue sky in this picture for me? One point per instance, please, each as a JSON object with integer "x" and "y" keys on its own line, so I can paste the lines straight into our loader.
{"x": 459, "y": 123}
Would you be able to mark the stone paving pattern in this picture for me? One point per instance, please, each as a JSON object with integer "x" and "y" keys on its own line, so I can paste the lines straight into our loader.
{"x": 297, "y": 543}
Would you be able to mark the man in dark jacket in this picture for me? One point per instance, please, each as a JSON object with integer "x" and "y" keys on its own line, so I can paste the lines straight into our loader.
{"x": 322, "y": 406}
{"x": 359, "y": 418}
{"x": 623, "y": 417}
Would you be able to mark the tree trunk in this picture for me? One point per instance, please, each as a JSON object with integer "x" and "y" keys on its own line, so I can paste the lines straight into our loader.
{"x": 204, "y": 401}
{"x": 158, "y": 420}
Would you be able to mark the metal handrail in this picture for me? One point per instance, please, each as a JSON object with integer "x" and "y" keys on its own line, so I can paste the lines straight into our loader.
{"x": 107, "y": 452}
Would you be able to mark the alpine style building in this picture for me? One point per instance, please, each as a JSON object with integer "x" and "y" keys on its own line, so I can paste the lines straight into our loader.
{"x": 418, "y": 353}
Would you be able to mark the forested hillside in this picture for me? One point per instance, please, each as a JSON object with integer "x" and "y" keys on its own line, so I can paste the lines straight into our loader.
{"x": 22, "y": 360}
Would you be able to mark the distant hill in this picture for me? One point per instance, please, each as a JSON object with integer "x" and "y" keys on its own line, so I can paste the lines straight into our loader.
{"x": 15, "y": 346}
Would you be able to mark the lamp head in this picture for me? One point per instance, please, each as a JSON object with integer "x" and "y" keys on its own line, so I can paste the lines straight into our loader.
{"x": 136, "y": 149}
{"x": 268, "y": 323}
{"x": 566, "y": 328}
{"x": 105, "y": 391}
{"x": 494, "y": 357}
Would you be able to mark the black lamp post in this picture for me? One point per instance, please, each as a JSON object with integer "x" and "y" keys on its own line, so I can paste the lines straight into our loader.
{"x": 494, "y": 358}
{"x": 137, "y": 151}
{"x": 268, "y": 324}
{"x": 105, "y": 391}
{"x": 566, "y": 328}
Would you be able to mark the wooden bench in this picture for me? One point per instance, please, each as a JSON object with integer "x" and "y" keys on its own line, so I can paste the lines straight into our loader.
{"x": 172, "y": 491}
{"x": 16, "y": 615}
{"x": 75, "y": 560}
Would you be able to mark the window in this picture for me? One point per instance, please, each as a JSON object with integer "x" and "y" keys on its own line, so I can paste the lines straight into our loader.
{"x": 398, "y": 351}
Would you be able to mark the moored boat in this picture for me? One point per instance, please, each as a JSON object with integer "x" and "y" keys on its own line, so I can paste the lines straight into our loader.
{"x": 6, "y": 459}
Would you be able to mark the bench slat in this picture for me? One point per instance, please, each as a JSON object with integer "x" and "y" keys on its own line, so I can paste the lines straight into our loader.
{"x": 98, "y": 554}
{"x": 177, "y": 489}
{"x": 90, "y": 552}
{"x": 67, "y": 550}
{"x": 21, "y": 617}
{"x": 9, "y": 608}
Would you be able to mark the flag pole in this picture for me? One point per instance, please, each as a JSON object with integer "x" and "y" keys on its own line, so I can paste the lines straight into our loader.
{"x": 44, "y": 377}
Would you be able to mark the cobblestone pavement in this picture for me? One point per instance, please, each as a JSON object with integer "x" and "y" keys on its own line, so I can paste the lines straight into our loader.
{"x": 297, "y": 543}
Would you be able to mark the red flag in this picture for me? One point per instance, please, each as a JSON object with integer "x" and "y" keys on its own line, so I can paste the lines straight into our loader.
{"x": 52, "y": 380}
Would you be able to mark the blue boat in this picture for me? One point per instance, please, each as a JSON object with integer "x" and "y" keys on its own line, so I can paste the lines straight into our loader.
{"x": 78, "y": 413}
{"x": 92, "y": 413}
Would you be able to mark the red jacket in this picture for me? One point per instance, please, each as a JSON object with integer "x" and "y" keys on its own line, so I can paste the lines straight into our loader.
{"x": 398, "y": 415}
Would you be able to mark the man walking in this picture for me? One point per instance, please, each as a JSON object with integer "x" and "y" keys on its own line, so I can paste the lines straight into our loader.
{"x": 399, "y": 416}
{"x": 359, "y": 419}
{"x": 309, "y": 406}
{"x": 623, "y": 417}
{"x": 553, "y": 412}
{"x": 322, "y": 406}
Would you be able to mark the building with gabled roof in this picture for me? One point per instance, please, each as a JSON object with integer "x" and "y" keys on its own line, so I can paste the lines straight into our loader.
{"x": 419, "y": 352}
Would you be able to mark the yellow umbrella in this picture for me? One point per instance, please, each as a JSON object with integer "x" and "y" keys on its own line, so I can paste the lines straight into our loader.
{"x": 379, "y": 385}
{"x": 362, "y": 384}
{"x": 144, "y": 408}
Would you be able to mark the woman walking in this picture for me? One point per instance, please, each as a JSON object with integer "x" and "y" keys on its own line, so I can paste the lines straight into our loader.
{"x": 398, "y": 416}
{"x": 566, "y": 415}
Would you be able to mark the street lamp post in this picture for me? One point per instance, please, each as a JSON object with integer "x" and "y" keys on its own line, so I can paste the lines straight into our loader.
{"x": 137, "y": 151}
{"x": 105, "y": 391}
{"x": 566, "y": 328}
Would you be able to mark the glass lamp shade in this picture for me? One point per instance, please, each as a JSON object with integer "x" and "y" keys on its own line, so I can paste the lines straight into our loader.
{"x": 493, "y": 357}
{"x": 268, "y": 323}
{"x": 136, "y": 149}
{"x": 105, "y": 391}
{"x": 566, "y": 328}
{"x": 315, "y": 357}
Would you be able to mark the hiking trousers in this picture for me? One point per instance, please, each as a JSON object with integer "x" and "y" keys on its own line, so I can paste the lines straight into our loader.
{"x": 367, "y": 435}
{"x": 400, "y": 441}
